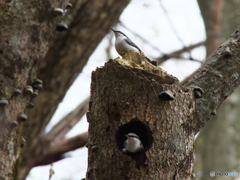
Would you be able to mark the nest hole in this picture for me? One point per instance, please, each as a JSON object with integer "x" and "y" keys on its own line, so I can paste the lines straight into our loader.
{"x": 137, "y": 127}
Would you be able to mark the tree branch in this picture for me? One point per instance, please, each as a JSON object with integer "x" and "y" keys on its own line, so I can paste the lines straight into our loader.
{"x": 73, "y": 47}
{"x": 218, "y": 78}
{"x": 69, "y": 121}
{"x": 176, "y": 54}
{"x": 55, "y": 151}
{"x": 47, "y": 151}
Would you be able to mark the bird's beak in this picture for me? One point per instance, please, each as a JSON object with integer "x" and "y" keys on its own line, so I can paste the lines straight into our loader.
{"x": 112, "y": 29}
{"x": 125, "y": 135}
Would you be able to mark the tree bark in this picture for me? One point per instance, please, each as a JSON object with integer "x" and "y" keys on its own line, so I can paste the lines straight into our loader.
{"x": 126, "y": 99}
{"x": 26, "y": 29}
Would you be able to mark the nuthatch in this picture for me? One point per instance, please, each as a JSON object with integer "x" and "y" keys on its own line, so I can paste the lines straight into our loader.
{"x": 133, "y": 143}
{"x": 124, "y": 44}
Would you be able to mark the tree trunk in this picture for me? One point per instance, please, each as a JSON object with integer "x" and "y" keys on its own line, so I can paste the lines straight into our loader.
{"x": 26, "y": 29}
{"x": 126, "y": 99}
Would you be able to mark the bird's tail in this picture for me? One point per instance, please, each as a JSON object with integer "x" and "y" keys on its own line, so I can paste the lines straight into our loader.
{"x": 149, "y": 60}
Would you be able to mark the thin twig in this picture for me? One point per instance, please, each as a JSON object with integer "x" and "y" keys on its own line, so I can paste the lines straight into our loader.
{"x": 171, "y": 24}
{"x": 55, "y": 151}
{"x": 51, "y": 171}
{"x": 174, "y": 29}
{"x": 176, "y": 54}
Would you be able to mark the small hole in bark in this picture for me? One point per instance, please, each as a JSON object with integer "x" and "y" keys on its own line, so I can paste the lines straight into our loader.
{"x": 186, "y": 90}
{"x": 108, "y": 128}
{"x": 190, "y": 106}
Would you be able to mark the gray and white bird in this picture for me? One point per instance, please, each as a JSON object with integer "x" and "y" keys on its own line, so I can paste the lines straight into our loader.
{"x": 133, "y": 143}
{"x": 123, "y": 43}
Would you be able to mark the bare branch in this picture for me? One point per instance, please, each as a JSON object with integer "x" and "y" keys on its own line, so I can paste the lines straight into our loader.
{"x": 69, "y": 121}
{"x": 171, "y": 24}
{"x": 55, "y": 151}
{"x": 218, "y": 78}
{"x": 176, "y": 33}
{"x": 176, "y": 54}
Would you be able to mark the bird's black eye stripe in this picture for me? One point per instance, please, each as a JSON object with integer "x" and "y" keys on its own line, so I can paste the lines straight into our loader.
{"x": 133, "y": 136}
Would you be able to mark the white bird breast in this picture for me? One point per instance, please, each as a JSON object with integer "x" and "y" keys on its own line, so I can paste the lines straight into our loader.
{"x": 133, "y": 145}
{"x": 122, "y": 46}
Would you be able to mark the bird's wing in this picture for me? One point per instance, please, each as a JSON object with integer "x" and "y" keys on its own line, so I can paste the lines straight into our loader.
{"x": 131, "y": 43}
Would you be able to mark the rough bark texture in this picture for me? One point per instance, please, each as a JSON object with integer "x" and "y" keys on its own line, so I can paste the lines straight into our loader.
{"x": 125, "y": 99}
{"x": 89, "y": 22}
{"x": 218, "y": 78}
{"x": 26, "y": 29}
